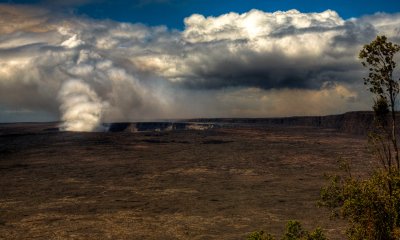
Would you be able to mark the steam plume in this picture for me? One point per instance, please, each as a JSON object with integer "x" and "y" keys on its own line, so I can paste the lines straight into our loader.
{"x": 81, "y": 107}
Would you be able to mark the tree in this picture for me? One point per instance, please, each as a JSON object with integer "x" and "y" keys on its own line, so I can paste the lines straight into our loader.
{"x": 378, "y": 58}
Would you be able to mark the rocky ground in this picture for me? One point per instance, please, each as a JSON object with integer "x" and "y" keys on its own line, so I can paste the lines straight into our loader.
{"x": 186, "y": 184}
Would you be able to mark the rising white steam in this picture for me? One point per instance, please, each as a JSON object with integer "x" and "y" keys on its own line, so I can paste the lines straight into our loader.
{"x": 81, "y": 107}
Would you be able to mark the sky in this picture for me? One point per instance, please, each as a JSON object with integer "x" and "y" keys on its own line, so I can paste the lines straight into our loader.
{"x": 172, "y": 12}
{"x": 84, "y": 62}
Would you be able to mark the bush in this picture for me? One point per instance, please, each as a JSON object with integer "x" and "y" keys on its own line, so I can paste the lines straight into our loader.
{"x": 371, "y": 205}
{"x": 261, "y": 235}
{"x": 294, "y": 231}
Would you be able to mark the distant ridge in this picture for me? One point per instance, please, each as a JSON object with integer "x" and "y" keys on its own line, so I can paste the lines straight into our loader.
{"x": 357, "y": 122}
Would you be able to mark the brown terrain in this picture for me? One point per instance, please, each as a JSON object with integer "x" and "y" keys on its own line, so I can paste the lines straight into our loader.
{"x": 171, "y": 182}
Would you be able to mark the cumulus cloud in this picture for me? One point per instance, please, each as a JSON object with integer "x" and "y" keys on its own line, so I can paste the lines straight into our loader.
{"x": 253, "y": 64}
{"x": 267, "y": 50}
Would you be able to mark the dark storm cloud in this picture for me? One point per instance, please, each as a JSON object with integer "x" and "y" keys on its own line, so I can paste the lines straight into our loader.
{"x": 274, "y": 70}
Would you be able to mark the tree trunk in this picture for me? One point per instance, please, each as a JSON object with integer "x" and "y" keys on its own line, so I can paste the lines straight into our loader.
{"x": 394, "y": 137}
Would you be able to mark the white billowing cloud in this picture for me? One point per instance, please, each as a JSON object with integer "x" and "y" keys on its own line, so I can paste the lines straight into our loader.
{"x": 72, "y": 42}
{"x": 255, "y": 64}
{"x": 255, "y": 24}
{"x": 290, "y": 33}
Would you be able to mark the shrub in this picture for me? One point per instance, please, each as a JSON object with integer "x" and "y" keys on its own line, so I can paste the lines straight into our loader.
{"x": 294, "y": 231}
{"x": 261, "y": 235}
{"x": 371, "y": 205}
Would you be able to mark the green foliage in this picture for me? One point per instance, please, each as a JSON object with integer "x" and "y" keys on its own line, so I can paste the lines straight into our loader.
{"x": 294, "y": 231}
{"x": 261, "y": 235}
{"x": 371, "y": 205}
{"x": 316, "y": 235}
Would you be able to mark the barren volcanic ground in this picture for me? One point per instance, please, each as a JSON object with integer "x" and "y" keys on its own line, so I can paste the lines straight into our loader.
{"x": 213, "y": 184}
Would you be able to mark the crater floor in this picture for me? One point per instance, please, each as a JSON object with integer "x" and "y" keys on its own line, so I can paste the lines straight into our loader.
{"x": 214, "y": 184}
